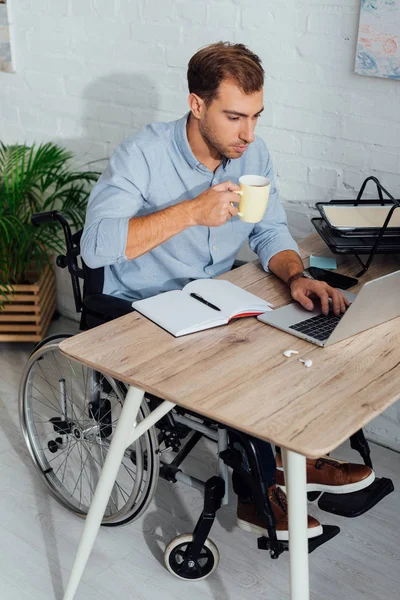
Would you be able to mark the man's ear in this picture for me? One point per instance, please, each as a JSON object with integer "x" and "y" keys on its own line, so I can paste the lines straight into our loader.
{"x": 196, "y": 105}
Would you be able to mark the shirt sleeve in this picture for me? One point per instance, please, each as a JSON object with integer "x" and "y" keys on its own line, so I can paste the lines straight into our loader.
{"x": 118, "y": 195}
{"x": 271, "y": 235}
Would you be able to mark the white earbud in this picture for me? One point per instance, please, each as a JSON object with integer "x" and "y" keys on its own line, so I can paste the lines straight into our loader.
{"x": 288, "y": 353}
{"x": 306, "y": 363}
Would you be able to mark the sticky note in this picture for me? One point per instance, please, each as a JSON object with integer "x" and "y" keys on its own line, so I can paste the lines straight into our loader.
{"x": 323, "y": 262}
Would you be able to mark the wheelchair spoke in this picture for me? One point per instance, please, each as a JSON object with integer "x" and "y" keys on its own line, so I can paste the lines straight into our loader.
{"x": 90, "y": 484}
{"x": 46, "y": 419}
{"x": 85, "y": 382}
{"x": 64, "y": 462}
{"x": 105, "y": 444}
{"x": 45, "y": 379}
{"x": 122, "y": 492}
{"x": 59, "y": 453}
{"x": 76, "y": 379}
{"x": 82, "y": 471}
{"x": 52, "y": 406}
{"x": 79, "y": 480}
{"x": 57, "y": 407}
{"x": 111, "y": 499}
{"x": 46, "y": 405}
{"x": 96, "y": 461}
{"x": 127, "y": 469}
{"x": 116, "y": 483}
{"x": 58, "y": 374}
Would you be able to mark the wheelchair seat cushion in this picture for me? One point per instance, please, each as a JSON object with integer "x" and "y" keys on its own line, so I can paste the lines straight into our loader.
{"x": 107, "y": 307}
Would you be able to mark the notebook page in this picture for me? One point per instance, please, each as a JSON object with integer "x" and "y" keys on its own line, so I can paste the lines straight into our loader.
{"x": 229, "y": 298}
{"x": 178, "y": 313}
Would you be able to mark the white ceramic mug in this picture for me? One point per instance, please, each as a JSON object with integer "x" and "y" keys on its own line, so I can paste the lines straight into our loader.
{"x": 254, "y": 192}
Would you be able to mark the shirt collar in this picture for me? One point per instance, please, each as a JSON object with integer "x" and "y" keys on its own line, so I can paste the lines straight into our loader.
{"x": 183, "y": 143}
{"x": 184, "y": 146}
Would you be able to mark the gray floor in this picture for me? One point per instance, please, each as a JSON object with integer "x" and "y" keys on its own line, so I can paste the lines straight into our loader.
{"x": 39, "y": 538}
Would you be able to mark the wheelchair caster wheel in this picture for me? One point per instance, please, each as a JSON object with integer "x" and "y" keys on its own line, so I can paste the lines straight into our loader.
{"x": 175, "y": 562}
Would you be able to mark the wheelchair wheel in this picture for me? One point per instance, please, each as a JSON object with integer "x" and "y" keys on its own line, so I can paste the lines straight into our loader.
{"x": 68, "y": 414}
{"x": 174, "y": 557}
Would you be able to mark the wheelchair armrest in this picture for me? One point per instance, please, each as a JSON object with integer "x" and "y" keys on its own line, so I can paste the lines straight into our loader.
{"x": 238, "y": 263}
{"x": 108, "y": 307}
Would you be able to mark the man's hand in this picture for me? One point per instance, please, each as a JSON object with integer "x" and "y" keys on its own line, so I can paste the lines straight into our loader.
{"x": 302, "y": 288}
{"x": 215, "y": 207}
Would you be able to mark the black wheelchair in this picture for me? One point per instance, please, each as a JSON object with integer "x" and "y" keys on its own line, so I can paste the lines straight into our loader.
{"x": 69, "y": 413}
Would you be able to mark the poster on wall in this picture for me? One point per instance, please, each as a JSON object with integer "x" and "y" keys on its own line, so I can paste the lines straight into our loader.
{"x": 5, "y": 48}
{"x": 378, "y": 46}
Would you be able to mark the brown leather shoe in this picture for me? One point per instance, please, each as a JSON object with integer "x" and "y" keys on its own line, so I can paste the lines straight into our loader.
{"x": 328, "y": 474}
{"x": 248, "y": 520}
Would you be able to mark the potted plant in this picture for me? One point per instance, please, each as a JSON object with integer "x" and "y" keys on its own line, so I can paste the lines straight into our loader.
{"x": 34, "y": 179}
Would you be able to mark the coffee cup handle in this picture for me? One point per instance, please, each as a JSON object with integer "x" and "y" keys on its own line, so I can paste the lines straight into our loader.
{"x": 240, "y": 192}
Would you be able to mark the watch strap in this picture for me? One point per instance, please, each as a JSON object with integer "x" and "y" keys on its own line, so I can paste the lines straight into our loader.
{"x": 293, "y": 278}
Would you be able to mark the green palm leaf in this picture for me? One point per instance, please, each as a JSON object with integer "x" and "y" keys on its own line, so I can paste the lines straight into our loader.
{"x": 34, "y": 179}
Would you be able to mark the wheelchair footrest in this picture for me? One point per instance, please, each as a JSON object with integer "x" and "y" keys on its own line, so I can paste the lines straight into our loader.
{"x": 356, "y": 503}
{"x": 328, "y": 532}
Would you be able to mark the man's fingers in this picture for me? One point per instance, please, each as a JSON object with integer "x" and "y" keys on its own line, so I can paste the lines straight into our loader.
{"x": 342, "y": 304}
{"x": 324, "y": 298}
{"x": 346, "y": 302}
{"x": 304, "y": 300}
{"x": 226, "y": 186}
{"x": 233, "y": 210}
{"x": 337, "y": 302}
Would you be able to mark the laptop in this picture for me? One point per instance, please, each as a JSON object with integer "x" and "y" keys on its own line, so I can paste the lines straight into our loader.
{"x": 378, "y": 301}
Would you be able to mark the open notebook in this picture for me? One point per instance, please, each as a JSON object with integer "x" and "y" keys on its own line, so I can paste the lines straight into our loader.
{"x": 201, "y": 304}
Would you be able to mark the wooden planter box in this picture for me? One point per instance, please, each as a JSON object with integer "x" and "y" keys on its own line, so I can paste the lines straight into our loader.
{"x": 27, "y": 314}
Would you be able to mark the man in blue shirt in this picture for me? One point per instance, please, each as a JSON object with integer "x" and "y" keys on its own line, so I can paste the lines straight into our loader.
{"x": 163, "y": 214}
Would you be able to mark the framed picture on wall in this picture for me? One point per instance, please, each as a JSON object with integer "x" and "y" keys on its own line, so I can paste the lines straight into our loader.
{"x": 378, "y": 46}
{"x": 5, "y": 48}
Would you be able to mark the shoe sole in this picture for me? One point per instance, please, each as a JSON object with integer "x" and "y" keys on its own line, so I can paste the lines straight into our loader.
{"x": 338, "y": 489}
{"x": 282, "y": 536}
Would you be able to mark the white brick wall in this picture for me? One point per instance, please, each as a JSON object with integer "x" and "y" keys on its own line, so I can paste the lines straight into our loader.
{"x": 91, "y": 72}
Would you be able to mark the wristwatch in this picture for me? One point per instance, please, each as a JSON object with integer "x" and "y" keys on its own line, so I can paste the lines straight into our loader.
{"x": 297, "y": 276}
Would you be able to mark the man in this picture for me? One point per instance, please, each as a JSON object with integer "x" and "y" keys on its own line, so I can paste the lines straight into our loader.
{"x": 163, "y": 214}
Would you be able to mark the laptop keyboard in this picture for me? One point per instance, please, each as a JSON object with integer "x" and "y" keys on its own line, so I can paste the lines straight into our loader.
{"x": 319, "y": 327}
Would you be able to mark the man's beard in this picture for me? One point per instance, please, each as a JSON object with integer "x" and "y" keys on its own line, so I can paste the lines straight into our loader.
{"x": 211, "y": 140}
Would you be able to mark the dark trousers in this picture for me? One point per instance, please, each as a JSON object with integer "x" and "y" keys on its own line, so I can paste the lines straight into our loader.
{"x": 267, "y": 463}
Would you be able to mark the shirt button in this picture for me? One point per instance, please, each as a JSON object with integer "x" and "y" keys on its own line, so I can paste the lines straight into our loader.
{"x": 214, "y": 247}
{"x": 209, "y": 272}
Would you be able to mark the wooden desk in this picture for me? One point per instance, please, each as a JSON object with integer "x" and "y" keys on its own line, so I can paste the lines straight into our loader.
{"x": 237, "y": 375}
{"x": 250, "y": 384}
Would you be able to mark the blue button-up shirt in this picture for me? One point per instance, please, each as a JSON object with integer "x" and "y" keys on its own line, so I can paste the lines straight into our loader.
{"x": 152, "y": 170}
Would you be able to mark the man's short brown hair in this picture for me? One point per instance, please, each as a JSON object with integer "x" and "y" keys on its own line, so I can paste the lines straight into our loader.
{"x": 223, "y": 60}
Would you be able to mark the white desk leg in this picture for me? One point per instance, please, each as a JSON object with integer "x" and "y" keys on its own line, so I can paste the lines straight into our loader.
{"x": 125, "y": 434}
{"x": 295, "y": 479}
